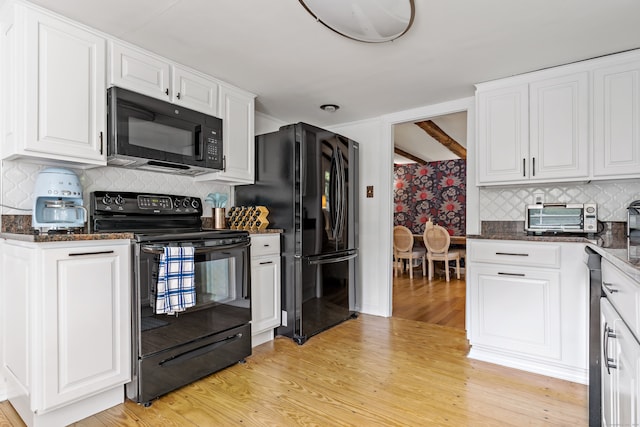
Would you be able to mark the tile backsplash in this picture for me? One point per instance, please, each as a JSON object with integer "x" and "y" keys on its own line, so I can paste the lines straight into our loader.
{"x": 19, "y": 177}
{"x": 612, "y": 197}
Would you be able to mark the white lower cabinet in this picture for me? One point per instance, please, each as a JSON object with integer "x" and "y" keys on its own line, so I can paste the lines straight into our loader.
{"x": 620, "y": 329}
{"x": 265, "y": 287}
{"x": 526, "y": 309}
{"x": 67, "y": 340}
{"x": 620, "y": 369}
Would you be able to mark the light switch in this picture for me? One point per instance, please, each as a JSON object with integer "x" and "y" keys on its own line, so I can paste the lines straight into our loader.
{"x": 369, "y": 191}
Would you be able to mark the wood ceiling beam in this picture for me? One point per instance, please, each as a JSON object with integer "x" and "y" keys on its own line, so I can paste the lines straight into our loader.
{"x": 409, "y": 156}
{"x": 441, "y": 136}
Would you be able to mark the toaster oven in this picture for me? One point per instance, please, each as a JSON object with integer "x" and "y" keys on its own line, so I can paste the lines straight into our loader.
{"x": 561, "y": 218}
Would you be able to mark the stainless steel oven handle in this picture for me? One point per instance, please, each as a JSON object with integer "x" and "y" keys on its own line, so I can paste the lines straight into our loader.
{"x": 158, "y": 250}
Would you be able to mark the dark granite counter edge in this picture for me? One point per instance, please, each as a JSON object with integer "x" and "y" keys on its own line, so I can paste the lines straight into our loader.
{"x": 44, "y": 238}
{"x": 525, "y": 237}
{"x": 617, "y": 255}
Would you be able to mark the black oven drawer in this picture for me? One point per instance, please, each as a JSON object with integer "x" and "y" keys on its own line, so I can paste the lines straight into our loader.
{"x": 166, "y": 371}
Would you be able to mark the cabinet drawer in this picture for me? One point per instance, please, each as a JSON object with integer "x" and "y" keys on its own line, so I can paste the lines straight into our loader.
{"x": 624, "y": 293}
{"x": 530, "y": 254}
{"x": 265, "y": 244}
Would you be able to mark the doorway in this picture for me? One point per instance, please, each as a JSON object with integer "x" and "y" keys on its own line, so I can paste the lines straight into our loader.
{"x": 430, "y": 178}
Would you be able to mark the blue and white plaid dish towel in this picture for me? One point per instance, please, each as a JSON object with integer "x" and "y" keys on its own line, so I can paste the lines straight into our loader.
{"x": 176, "y": 288}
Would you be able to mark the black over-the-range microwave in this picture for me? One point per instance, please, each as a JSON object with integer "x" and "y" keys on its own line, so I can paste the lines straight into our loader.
{"x": 151, "y": 134}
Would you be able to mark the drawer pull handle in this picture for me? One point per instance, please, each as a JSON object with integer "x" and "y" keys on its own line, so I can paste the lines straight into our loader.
{"x": 511, "y": 274}
{"x": 510, "y": 254}
{"x": 266, "y": 262}
{"x": 91, "y": 253}
{"x": 609, "y": 287}
{"x": 608, "y": 361}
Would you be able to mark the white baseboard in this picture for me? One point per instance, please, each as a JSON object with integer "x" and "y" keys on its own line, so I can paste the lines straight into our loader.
{"x": 549, "y": 369}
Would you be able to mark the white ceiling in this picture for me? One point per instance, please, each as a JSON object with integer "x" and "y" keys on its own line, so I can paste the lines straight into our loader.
{"x": 414, "y": 140}
{"x": 276, "y": 50}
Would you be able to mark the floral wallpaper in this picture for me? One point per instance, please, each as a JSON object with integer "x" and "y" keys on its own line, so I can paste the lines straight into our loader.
{"x": 436, "y": 190}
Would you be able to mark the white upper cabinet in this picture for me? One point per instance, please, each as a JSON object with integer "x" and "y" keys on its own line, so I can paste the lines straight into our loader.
{"x": 576, "y": 122}
{"x": 55, "y": 108}
{"x": 237, "y": 113}
{"x": 135, "y": 70}
{"x": 54, "y": 78}
{"x": 533, "y": 130}
{"x": 616, "y": 119}
{"x": 145, "y": 73}
{"x": 194, "y": 91}
{"x": 503, "y": 125}
{"x": 559, "y": 127}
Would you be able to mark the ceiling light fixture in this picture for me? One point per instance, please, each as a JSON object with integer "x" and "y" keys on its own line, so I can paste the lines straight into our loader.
{"x": 372, "y": 21}
{"x": 330, "y": 108}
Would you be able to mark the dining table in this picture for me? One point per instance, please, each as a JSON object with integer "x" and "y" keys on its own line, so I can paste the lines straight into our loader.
{"x": 455, "y": 240}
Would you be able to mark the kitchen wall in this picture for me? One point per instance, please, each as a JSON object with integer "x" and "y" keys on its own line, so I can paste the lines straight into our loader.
{"x": 612, "y": 197}
{"x": 436, "y": 191}
{"x": 19, "y": 177}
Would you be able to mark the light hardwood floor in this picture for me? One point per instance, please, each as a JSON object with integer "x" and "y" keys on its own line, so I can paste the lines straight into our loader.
{"x": 369, "y": 371}
{"x": 434, "y": 301}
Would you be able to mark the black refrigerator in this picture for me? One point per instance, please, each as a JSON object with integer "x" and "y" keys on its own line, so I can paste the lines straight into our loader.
{"x": 308, "y": 179}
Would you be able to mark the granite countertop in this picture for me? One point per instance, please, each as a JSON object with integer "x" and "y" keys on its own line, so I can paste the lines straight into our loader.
{"x": 612, "y": 246}
{"x": 525, "y": 237}
{"x": 45, "y": 238}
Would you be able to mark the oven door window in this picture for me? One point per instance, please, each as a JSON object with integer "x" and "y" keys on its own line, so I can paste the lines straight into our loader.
{"x": 219, "y": 281}
{"x": 222, "y": 298}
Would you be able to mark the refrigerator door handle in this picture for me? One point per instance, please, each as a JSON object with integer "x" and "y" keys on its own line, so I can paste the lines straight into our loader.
{"x": 333, "y": 258}
{"x": 341, "y": 195}
{"x": 334, "y": 195}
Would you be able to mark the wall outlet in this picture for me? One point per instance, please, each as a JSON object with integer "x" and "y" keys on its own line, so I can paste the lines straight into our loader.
{"x": 283, "y": 318}
{"x": 538, "y": 198}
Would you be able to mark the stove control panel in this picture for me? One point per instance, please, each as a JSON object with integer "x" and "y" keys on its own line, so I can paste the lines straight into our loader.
{"x": 124, "y": 203}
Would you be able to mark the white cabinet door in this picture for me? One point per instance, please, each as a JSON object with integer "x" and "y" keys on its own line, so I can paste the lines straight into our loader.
{"x": 503, "y": 134}
{"x": 65, "y": 90}
{"x": 265, "y": 293}
{"x": 142, "y": 72}
{"x": 559, "y": 127}
{"x": 537, "y": 130}
{"x": 194, "y": 91}
{"x": 237, "y": 113}
{"x": 616, "y": 120}
{"x": 516, "y": 309}
{"x": 138, "y": 71}
{"x": 18, "y": 274}
{"x": 86, "y": 321}
{"x": 620, "y": 369}
{"x": 265, "y": 285}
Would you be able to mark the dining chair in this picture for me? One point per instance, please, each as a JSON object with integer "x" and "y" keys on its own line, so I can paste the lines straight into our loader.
{"x": 437, "y": 240}
{"x": 403, "y": 249}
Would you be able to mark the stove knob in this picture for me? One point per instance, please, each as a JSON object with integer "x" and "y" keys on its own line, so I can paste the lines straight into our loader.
{"x": 185, "y": 203}
{"x": 176, "y": 203}
{"x": 195, "y": 203}
{"x": 119, "y": 200}
{"x": 107, "y": 199}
